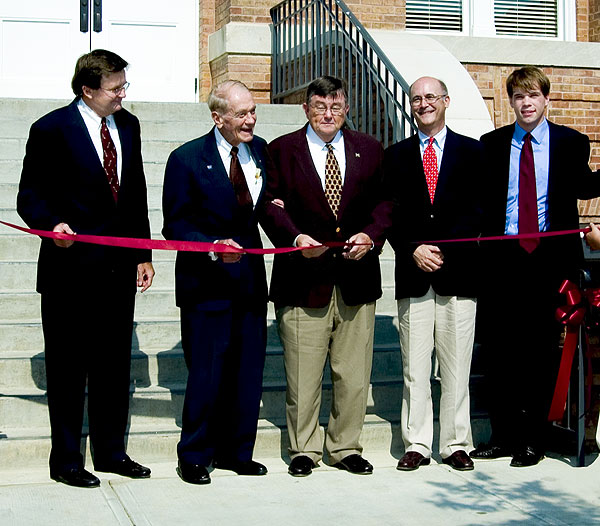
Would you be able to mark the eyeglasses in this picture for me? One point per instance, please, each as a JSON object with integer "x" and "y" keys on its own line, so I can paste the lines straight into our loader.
{"x": 430, "y": 98}
{"x": 243, "y": 114}
{"x": 321, "y": 109}
{"x": 116, "y": 91}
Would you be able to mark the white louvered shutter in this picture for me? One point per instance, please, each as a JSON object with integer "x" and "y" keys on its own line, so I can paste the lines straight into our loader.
{"x": 537, "y": 18}
{"x": 438, "y": 15}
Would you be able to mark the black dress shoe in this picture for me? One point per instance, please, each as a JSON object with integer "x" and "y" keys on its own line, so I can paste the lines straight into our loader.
{"x": 78, "y": 477}
{"x": 412, "y": 460}
{"x": 525, "y": 457}
{"x": 248, "y": 467}
{"x": 301, "y": 466}
{"x": 459, "y": 460}
{"x": 489, "y": 452}
{"x": 125, "y": 467}
{"x": 355, "y": 464}
{"x": 193, "y": 473}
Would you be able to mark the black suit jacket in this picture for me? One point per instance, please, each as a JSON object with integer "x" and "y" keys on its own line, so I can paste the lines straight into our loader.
{"x": 569, "y": 179}
{"x": 199, "y": 204}
{"x": 63, "y": 180}
{"x": 304, "y": 282}
{"x": 454, "y": 213}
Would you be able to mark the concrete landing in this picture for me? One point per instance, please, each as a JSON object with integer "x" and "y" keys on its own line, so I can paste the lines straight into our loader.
{"x": 552, "y": 493}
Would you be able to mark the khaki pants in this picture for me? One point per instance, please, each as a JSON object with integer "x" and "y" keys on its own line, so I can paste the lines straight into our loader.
{"x": 308, "y": 336}
{"x": 448, "y": 323}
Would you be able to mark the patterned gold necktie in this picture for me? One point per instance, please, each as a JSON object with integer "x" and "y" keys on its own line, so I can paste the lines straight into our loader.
{"x": 333, "y": 181}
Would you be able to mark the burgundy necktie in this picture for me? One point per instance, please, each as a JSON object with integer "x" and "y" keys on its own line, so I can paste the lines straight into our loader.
{"x": 238, "y": 179}
{"x": 430, "y": 168}
{"x": 110, "y": 159}
{"x": 528, "y": 211}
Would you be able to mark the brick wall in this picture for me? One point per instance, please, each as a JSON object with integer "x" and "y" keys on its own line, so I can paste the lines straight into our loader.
{"x": 594, "y": 20}
{"x": 254, "y": 71}
{"x": 379, "y": 14}
{"x": 256, "y": 11}
{"x": 574, "y": 102}
{"x": 582, "y": 13}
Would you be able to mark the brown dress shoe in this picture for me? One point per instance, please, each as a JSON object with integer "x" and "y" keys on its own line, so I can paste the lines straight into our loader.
{"x": 411, "y": 461}
{"x": 459, "y": 460}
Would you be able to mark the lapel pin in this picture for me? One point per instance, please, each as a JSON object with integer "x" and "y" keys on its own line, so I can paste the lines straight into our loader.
{"x": 357, "y": 154}
{"x": 209, "y": 166}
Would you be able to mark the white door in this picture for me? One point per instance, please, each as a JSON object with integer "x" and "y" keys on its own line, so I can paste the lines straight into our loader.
{"x": 40, "y": 41}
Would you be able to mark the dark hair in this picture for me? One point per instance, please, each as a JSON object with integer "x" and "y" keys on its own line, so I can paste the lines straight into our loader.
{"x": 92, "y": 66}
{"x": 326, "y": 86}
{"x": 528, "y": 78}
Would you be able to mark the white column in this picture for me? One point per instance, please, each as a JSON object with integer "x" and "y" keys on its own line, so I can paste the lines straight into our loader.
{"x": 481, "y": 18}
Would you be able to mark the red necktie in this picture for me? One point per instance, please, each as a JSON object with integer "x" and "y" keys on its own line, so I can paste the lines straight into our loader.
{"x": 430, "y": 168}
{"x": 238, "y": 180}
{"x": 110, "y": 159}
{"x": 528, "y": 211}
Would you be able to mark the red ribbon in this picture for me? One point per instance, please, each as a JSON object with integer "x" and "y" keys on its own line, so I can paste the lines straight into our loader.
{"x": 572, "y": 315}
{"x": 509, "y": 237}
{"x": 161, "y": 244}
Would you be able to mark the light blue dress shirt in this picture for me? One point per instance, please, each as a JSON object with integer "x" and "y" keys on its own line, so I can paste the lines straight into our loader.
{"x": 540, "y": 143}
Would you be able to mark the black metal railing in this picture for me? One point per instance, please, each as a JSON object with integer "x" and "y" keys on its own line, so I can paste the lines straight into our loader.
{"x": 322, "y": 37}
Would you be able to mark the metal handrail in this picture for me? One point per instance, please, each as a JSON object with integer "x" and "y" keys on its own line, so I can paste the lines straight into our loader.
{"x": 322, "y": 37}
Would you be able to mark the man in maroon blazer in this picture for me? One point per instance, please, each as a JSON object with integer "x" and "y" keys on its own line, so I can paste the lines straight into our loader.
{"x": 329, "y": 179}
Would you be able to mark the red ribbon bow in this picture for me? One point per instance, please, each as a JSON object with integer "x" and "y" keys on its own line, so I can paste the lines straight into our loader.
{"x": 572, "y": 315}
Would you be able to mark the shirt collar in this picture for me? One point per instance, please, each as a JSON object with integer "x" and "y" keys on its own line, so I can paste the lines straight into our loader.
{"x": 439, "y": 137}
{"x": 538, "y": 133}
{"x": 224, "y": 144}
{"x": 93, "y": 116}
{"x": 313, "y": 138}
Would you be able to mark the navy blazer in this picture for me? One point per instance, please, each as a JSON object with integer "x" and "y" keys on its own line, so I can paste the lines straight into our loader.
{"x": 569, "y": 179}
{"x": 63, "y": 181}
{"x": 454, "y": 213}
{"x": 199, "y": 204}
{"x": 309, "y": 282}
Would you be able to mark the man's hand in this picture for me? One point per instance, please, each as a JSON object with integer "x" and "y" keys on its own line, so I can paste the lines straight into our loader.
{"x": 593, "y": 238}
{"x": 358, "y": 251}
{"x": 428, "y": 258}
{"x": 229, "y": 257}
{"x": 65, "y": 229}
{"x": 307, "y": 241}
{"x": 145, "y": 275}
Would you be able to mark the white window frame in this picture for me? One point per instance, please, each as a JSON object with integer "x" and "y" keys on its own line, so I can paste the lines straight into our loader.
{"x": 478, "y": 20}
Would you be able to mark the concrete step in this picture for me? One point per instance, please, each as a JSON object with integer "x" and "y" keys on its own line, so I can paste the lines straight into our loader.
{"x": 157, "y": 405}
{"x": 161, "y": 333}
{"x": 155, "y": 303}
{"x": 25, "y": 370}
{"x": 25, "y": 447}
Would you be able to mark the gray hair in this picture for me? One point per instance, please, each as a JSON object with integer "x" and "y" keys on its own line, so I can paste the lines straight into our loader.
{"x": 217, "y": 98}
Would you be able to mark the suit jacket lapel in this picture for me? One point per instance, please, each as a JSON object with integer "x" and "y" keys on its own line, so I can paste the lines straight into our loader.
{"x": 447, "y": 165}
{"x": 307, "y": 167}
{"x": 80, "y": 138}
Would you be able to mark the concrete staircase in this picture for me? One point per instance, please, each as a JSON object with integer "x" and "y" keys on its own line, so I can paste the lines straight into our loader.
{"x": 158, "y": 369}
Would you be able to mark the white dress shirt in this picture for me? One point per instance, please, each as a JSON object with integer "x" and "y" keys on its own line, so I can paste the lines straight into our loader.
{"x": 251, "y": 171}
{"x": 93, "y": 123}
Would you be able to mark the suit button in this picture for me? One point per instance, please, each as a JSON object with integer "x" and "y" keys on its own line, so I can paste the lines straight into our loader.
{"x": 335, "y": 255}
{"x": 337, "y": 230}
{"x": 431, "y": 216}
